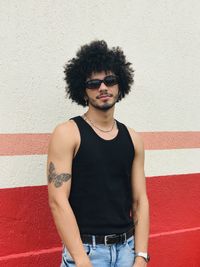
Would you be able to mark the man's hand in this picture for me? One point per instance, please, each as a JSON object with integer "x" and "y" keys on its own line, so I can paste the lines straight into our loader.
{"x": 88, "y": 265}
{"x": 84, "y": 263}
{"x": 140, "y": 262}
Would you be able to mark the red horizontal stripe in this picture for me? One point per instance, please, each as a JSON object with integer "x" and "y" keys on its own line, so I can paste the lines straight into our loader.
{"x": 31, "y": 144}
{"x": 171, "y": 140}
{"x": 180, "y": 231}
{"x": 31, "y": 253}
{"x": 23, "y": 144}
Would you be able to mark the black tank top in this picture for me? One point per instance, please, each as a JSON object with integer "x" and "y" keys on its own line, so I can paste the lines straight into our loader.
{"x": 100, "y": 193}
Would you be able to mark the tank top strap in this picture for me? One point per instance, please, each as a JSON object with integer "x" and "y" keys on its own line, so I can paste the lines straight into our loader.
{"x": 80, "y": 124}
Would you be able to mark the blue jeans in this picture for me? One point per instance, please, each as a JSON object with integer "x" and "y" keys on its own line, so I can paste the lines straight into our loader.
{"x": 115, "y": 255}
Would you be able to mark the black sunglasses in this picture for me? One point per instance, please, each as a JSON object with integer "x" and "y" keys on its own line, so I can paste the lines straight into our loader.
{"x": 109, "y": 80}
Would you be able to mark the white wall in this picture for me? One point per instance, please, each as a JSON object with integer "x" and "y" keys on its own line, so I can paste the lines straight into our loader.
{"x": 161, "y": 38}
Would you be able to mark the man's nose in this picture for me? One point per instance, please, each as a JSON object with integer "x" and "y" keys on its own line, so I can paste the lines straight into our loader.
{"x": 103, "y": 87}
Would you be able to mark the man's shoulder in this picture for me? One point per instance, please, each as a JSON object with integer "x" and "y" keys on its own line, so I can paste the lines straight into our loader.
{"x": 65, "y": 132}
{"x": 136, "y": 137}
{"x": 132, "y": 131}
{"x": 64, "y": 127}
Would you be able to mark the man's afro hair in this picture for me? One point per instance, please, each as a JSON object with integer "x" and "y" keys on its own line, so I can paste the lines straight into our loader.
{"x": 96, "y": 57}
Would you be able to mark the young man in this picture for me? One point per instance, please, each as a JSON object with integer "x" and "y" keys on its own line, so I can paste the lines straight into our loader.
{"x": 96, "y": 180}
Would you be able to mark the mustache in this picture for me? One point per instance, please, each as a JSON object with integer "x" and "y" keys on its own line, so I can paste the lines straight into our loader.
{"x": 104, "y": 94}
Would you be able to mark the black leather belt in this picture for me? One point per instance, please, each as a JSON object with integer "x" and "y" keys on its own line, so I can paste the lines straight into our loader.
{"x": 107, "y": 239}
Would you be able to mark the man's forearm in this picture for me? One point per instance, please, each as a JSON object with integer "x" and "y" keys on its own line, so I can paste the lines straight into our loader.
{"x": 68, "y": 230}
{"x": 141, "y": 221}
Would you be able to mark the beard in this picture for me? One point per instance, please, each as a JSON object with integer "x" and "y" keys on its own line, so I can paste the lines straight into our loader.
{"x": 104, "y": 106}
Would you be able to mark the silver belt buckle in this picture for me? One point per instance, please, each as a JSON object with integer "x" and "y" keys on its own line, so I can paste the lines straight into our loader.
{"x": 105, "y": 238}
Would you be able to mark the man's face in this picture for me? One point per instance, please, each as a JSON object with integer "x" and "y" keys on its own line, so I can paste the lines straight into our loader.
{"x": 104, "y": 97}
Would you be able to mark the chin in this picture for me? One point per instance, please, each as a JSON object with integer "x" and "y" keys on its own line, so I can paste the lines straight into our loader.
{"x": 104, "y": 107}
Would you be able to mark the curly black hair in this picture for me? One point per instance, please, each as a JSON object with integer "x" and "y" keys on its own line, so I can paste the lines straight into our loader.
{"x": 96, "y": 57}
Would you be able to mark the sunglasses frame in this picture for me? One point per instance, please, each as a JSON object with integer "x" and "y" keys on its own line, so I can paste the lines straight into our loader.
{"x": 99, "y": 82}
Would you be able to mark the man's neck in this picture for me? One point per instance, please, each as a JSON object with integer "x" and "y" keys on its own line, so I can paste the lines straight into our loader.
{"x": 100, "y": 117}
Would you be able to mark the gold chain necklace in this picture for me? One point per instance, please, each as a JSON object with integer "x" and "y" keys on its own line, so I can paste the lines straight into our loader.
{"x": 104, "y": 131}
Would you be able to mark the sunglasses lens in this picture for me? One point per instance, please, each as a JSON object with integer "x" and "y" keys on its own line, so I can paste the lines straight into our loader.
{"x": 93, "y": 84}
{"x": 110, "y": 80}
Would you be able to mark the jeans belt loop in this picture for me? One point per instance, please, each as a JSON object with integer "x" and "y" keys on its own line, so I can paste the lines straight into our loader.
{"x": 105, "y": 240}
{"x": 125, "y": 238}
{"x": 93, "y": 242}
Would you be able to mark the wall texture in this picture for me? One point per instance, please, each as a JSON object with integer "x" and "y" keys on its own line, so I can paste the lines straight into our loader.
{"x": 161, "y": 39}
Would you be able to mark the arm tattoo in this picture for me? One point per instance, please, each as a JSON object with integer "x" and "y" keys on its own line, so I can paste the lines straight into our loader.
{"x": 55, "y": 178}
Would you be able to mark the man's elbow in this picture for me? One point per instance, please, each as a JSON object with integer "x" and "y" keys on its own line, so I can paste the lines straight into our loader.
{"x": 140, "y": 200}
{"x": 57, "y": 203}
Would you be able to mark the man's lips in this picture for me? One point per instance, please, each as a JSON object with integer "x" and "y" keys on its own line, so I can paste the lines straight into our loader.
{"x": 104, "y": 96}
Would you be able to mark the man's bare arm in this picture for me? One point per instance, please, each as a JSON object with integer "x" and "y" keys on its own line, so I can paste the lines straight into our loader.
{"x": 140, "y": 205}
{"x": 59, "y": 163}
{"x": 57, "y": 179}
